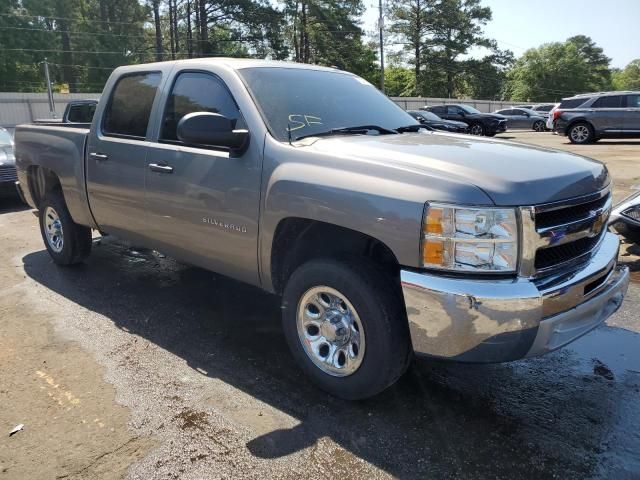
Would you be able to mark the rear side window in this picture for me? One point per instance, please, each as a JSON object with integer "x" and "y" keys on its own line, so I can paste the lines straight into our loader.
{"x": 613, "y": 101}
{"x": 437, "y": 110}
{"x": 129, "y": 108}
{"x": 544, "y": 108}
{"x": 633, "y": 101}
{"x": 197, "y": 92}
{"x": 504, "y": 112}
{"x": 573, "y": 102}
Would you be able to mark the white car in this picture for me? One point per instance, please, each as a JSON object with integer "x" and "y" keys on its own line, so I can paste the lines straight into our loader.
{"x": 550, "y": 117}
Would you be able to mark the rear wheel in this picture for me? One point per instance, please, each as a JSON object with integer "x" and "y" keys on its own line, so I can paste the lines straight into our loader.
{"x": 346, "y": 327}
{"x": 580, "y": 133}
{"x": 539, "y": 126}
{"x": 477, "y": 129}
{"x": 67, "y": 242}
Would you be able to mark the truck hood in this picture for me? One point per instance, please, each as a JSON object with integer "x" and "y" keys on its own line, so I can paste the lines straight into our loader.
{"x": 509, "y": 173}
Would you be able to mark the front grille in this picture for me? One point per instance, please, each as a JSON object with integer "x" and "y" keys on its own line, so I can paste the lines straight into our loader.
{"x": 568, "y": 214}
{"x": 561, "y": 236}
{"x": 8, "y": 174}
{"x": 548, "y": 257}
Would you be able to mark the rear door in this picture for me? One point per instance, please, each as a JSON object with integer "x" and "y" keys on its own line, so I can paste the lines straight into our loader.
{"x": 116, "y": 161}
{"x": 632, "y": 114}
{"x": 202, "y": 203}
{"x": 608, "y": 114}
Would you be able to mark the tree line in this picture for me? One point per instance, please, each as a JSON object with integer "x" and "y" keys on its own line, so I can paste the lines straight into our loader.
{"x": 428, "y": 45}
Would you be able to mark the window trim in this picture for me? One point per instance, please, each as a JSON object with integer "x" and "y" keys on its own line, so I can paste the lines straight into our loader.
{"x": 176, "y": 76}
{"x": 110, "y": 100}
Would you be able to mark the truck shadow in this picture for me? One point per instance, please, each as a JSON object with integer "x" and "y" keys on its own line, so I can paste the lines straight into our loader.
{"x": 10, "y": 203}
{"x": 557, "y": 416}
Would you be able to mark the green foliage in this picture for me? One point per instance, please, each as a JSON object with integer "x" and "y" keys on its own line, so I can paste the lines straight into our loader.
{"x": 436, "y": 35}
{"x": 327, "y": 32}
{"x": 628, "y": 78}
{"x": 557, "y": 70}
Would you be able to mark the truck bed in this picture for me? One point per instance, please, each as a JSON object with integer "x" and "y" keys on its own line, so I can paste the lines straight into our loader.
{"x": 64, "y": 154}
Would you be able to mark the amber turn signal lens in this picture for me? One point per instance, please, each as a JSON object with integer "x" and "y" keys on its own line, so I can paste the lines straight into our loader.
{"x": 433, "y": 252}
{"x": 433, "y": 224}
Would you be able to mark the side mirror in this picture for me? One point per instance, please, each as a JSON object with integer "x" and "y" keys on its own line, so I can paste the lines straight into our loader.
{"x": 213, "y": 129}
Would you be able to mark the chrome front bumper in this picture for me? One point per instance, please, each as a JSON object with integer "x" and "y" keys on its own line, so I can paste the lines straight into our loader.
{"x": 507, "y": 319}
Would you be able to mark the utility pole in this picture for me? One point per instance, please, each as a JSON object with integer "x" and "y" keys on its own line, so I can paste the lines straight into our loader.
{"x": 52, "y": 106}
{"x": 381, "y": 27}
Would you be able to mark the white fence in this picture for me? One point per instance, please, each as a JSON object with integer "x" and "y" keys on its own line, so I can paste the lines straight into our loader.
{"x": 17, "y": 108}
{"x": 486, "y": 106}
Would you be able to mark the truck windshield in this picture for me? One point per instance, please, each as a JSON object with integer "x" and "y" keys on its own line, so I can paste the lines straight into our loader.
{"x": 305, "y": 102}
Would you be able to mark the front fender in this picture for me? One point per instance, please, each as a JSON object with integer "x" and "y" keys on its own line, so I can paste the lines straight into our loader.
{"x": 379, "y": 200}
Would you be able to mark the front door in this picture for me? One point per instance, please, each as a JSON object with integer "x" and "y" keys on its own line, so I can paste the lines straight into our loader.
{"x": 116, "y": 162}
{"x": 202, "y": 203}
{"x": 632, "y": 115}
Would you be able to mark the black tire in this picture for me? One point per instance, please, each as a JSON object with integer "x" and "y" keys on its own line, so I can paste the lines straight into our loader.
{"x": 539, "y": 126}
{"x": 76, "y": 239}
{"x": 477, "y": 129}
{"x": 629, "y": 232}
{"x": 387, "y": 352}
{"x": 580, "y": 133}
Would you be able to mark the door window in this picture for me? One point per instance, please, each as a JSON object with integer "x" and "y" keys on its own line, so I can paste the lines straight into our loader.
{"x": 613, "y": 101}
{"x": 198, "y": 92}
{"x": 438, "y": 110}
{"x": 454, "y": 111}
{"x": 633, "y": 101}
{"x": 127, "y": 113}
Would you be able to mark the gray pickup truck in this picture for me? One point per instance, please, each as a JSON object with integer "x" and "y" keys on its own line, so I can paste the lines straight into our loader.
{"x": 382, "y": 238}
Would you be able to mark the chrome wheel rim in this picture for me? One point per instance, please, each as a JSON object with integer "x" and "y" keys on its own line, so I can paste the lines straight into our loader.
{"x": 330, "y": 331}
{"x": 476, "y": 130}
{"x": 579, "y": 133}
{"x": 53, "y": 229}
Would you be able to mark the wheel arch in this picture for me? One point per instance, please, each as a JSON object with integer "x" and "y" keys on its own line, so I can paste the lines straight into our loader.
{"x": 298, "y": 240}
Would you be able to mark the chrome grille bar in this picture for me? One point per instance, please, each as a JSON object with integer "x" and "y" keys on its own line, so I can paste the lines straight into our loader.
{"x": 580, "y": 226}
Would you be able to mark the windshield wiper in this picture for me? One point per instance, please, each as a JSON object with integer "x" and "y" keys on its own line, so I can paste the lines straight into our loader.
{"x": 413, "y": 128}
{"x": 360, "y": 129}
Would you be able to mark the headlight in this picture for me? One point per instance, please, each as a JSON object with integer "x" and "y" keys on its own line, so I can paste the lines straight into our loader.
{"x": 470, "y": 239}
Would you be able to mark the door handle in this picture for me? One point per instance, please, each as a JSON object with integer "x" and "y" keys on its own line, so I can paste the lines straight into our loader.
{"x": 154, "y": 167}
{"x": 99, "y": 156}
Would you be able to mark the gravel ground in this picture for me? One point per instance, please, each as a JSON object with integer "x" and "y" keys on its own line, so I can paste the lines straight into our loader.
{"x": 133, "y": 365}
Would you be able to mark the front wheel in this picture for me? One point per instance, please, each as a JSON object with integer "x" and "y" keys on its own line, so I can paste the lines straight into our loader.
{"x": 67, "y": 242}
{"x": 477, "y": 129}
{"x": 580, "y": 133}
{"x": 346, "y": 327}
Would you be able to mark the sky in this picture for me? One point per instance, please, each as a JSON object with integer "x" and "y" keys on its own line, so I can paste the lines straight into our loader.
{"x": 518, "y": 25}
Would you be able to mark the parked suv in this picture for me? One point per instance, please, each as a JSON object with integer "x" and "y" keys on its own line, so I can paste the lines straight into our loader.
{"x": 487, "y": 124}
{"x": 590, "y": 117}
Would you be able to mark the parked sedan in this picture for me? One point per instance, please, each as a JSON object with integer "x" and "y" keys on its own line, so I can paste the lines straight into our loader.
{"x": 523, "y": 118}
{"x": 7, "y": 163}
{"x": 432, "y": 120}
